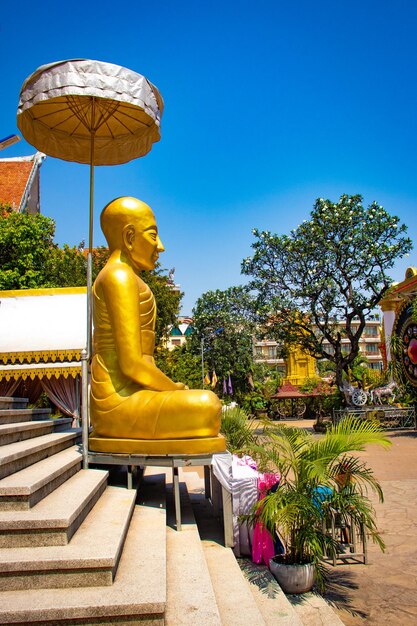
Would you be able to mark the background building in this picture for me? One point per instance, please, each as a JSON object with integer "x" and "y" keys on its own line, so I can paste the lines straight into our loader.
{"x": 300, "y": 366}
{"x": 178, "y": 334}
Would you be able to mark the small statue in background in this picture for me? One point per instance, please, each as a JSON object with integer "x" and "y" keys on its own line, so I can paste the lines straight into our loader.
{"x": 134, "y": 406}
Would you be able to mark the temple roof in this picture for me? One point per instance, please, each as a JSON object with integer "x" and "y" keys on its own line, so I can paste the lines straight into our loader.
{"x": 290, "y": 391}
{"x": 17, "y": 176}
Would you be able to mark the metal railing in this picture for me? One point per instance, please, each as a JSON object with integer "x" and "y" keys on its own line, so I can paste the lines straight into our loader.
{"x": 389, "y": 417}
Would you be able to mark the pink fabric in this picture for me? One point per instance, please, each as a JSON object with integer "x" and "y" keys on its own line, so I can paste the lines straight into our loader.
{"x": 262, "y": 545}
{"x": 263, "y": 548}
{"x": 266, "y": 482}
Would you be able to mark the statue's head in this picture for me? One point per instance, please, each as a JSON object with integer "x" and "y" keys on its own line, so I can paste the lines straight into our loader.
{"x": 129, "y": 225}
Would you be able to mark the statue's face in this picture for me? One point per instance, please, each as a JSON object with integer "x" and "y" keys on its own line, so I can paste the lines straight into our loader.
{"x": 145, "y": 244}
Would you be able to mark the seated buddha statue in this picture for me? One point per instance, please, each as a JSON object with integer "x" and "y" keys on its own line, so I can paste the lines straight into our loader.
{"x": 134, "y": 406}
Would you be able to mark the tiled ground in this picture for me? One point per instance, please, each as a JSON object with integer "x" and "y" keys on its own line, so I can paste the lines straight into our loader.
{"x": 384, "y": 592}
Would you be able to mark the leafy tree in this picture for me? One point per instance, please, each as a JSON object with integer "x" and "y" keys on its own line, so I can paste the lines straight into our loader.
{"x": 25, "y": 244}
{"x": 181, "y": 365}
{"x": 167, "y": 301}
{"x": 319, "y": 283}
{"x": 222, "y": 328}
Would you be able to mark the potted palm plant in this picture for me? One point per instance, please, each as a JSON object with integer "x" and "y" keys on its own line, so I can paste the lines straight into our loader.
{"x": 318, "y": 475}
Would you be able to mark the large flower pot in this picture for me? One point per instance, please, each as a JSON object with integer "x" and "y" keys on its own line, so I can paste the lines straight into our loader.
{"x": 293, "y": 578}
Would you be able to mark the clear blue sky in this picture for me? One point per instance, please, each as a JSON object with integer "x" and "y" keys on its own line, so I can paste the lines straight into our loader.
{"x": 268, "y": 105}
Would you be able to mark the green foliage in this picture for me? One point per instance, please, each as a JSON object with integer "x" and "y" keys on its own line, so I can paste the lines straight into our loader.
{"x": 167, "y": 301}
{"x": 307, "y": 465}
{"x": 265, "y": 384}
{"x": 321, "y": 281}
{"x": 239, "y": 431}
{"x": 229, "y": 351}
{"x": 360, "y": 372}
{"x": 25, "y": 244}
{"x": 67, "y": 266}
{"x": 311, "y": 384}
{"x": 180, "y": 365}
{"x": 254, "y": 402}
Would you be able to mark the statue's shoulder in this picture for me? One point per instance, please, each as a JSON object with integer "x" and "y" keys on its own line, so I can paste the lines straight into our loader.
{"x": 116, "y": 276}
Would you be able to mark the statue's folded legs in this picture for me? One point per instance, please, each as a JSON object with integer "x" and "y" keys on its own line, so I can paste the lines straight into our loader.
{"x": 135, "y": 408}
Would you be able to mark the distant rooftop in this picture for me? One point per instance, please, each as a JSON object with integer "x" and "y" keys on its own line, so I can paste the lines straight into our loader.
{"x": 19, "y": 182}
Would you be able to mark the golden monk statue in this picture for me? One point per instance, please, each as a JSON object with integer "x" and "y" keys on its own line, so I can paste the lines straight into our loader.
{"x": 135, "y": 408}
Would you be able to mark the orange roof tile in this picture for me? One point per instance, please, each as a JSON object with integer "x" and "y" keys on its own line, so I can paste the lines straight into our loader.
{"x": 13, "y": 179}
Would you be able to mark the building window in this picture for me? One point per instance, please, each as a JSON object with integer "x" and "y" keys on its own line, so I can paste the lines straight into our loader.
{"x": 372, "y": 348}
{"x": 272, "y": 352}
{"x": 376, "y": 365}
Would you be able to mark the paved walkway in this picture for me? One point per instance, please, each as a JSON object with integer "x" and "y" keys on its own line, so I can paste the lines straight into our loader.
{"x": 384, "y": 592}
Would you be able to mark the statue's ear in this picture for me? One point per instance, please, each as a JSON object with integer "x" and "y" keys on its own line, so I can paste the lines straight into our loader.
{"x": 128, "y": 235}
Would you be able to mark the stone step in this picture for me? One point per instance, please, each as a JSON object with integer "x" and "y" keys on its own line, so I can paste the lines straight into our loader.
{"x": 190, "y": 595}
{"x": 22, "y": 490}
{"x": 54, "y": 520}
{"x": 236, "y": 604}
{"x": 12, "y": 416}
{"x": 89, "y": 560}
{"x": 13, "y": 403}
{"x": 16, "y": 456}
{"x": 11, "y": 433}
{"x": 138, "y": 593}
{"x": 272, "y": 602}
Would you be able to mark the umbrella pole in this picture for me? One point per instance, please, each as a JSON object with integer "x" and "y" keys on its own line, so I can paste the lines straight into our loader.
{"x": 86, "y": 358}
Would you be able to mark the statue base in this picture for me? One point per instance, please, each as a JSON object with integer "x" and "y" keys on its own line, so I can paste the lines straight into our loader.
{"x": 160, "y": 447}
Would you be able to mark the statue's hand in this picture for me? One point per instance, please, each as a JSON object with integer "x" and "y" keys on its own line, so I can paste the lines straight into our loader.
{"x": 180, "y": 386}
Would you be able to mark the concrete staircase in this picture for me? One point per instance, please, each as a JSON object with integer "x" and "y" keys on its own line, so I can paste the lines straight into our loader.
{"x": 74, "y": 550}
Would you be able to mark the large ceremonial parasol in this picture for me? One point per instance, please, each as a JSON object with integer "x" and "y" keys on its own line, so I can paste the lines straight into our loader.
{"x": 89, "y": 112}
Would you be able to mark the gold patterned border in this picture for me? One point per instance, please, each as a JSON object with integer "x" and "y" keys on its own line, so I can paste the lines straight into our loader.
{"x": 40, "y": 372}
{"x": 38, "y": 356}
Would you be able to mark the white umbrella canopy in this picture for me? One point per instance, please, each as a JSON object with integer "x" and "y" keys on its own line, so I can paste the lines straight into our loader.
{"x": 90, "y": 112}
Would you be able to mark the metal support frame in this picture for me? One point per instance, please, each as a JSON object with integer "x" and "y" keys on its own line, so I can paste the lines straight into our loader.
{"x": 175, "y": 462}
{"x": 84, "y": 406}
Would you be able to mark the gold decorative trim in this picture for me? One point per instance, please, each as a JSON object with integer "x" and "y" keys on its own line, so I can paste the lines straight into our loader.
{"x": 37, "y": 356}
{"x": 404, "y": 304}
{"x": 56, "y": 291}
{"x": 40, "y": 372}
